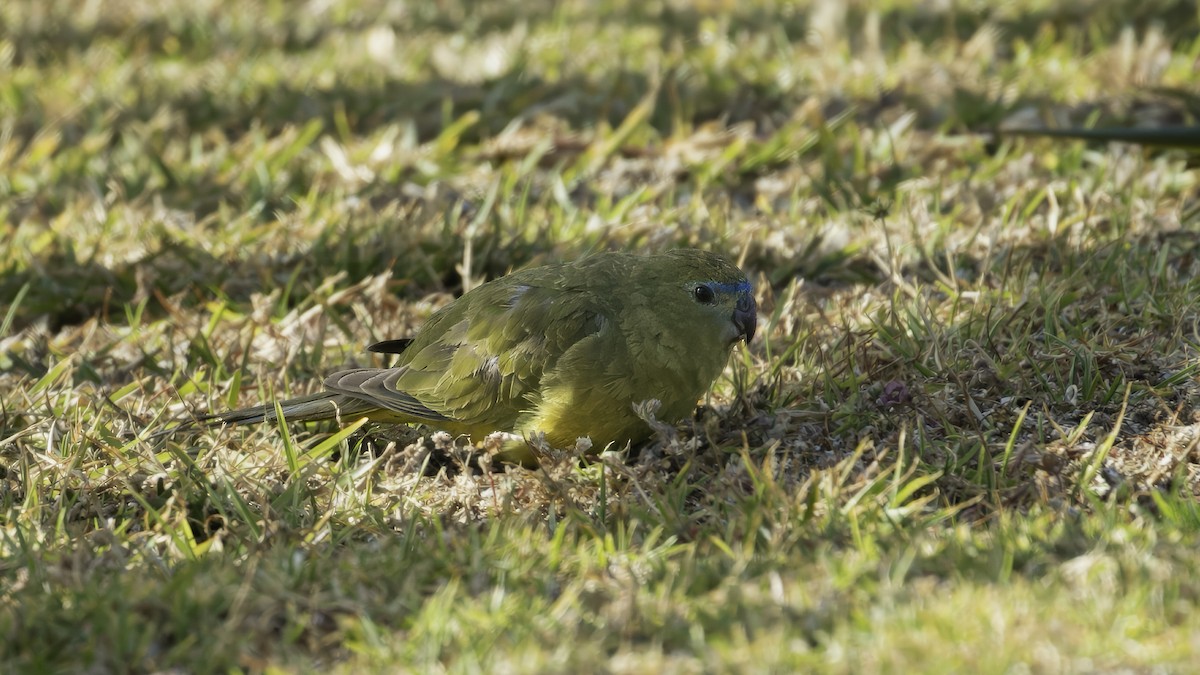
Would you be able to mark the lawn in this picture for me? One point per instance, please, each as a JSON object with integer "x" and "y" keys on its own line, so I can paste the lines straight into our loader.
{"x": 965, "y": 440}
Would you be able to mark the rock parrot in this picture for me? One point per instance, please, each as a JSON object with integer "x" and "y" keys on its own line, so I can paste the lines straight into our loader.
{"x": 565, "y": 349}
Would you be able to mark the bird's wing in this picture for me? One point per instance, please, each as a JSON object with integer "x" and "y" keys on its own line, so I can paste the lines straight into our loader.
{"x": 479, "y": 362}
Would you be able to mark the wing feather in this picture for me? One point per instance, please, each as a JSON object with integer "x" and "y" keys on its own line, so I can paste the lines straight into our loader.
{"x": 378, "y": 386}
{"x": 481, "y": 364}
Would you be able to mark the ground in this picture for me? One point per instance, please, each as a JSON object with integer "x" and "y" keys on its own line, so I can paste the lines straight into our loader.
{"x": 965, "y": 439}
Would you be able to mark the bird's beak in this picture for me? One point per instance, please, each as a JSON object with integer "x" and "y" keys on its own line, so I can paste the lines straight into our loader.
{"x": 745, "y": 316}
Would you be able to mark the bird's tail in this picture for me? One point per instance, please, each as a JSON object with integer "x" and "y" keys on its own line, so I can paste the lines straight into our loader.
{"x": 325, "y": 405}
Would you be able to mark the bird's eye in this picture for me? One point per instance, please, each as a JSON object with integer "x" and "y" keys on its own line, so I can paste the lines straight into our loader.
{"x": 704, "y": 295}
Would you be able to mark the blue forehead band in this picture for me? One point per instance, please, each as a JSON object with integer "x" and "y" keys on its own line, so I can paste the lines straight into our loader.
{"x": 736, "y": 288}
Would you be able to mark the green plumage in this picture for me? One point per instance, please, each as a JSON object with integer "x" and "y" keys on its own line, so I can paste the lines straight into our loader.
{"x": 564, "y": 349}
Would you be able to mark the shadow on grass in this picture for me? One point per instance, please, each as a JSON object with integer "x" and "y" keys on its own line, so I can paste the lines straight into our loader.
{"x": 64, "y": 290}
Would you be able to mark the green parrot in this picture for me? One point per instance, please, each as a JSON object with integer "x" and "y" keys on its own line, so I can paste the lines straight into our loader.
{"x": 564, "y": 349}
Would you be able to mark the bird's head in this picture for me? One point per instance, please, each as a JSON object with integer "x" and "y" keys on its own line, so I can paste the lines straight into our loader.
{"x": 715, "y": 292}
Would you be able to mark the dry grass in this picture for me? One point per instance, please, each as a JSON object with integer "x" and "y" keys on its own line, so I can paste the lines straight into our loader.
{"x": 966, "y": 440}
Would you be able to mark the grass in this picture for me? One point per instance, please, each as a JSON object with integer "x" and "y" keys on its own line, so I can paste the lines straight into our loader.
{"x": 965, "y": 440}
